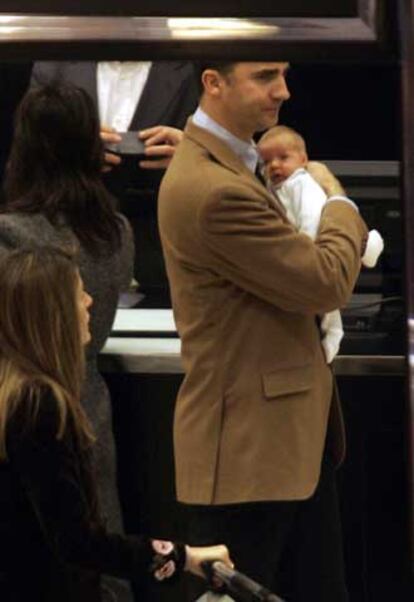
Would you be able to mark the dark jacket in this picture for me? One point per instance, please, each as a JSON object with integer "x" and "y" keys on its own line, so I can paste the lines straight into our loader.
{"x": 104, "y": 276}
{"x": 52, "y": 543}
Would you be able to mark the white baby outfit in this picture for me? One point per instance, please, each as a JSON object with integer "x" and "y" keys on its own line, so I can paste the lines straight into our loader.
{"x": 304, "y": 200}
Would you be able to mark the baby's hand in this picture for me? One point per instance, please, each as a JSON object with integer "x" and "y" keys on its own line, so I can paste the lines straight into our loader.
{"x": 325, "y": 178}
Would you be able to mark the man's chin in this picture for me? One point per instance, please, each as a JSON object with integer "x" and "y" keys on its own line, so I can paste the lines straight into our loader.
{"x": 263, "y": 128}
{"x": 267, "y": 123}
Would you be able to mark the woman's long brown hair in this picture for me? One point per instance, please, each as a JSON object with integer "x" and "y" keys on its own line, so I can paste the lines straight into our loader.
{"x": 55, "y": 165}
{"x": 40, "y": 341}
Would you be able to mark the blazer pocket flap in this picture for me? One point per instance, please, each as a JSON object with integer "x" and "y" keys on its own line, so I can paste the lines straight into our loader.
{"x": 287, "y": 381}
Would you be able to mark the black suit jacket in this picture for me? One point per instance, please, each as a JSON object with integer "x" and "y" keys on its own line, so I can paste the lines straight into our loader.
{"x": 169, "y": 97}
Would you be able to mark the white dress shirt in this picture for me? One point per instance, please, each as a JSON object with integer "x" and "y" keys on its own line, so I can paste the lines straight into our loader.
{"x": 120, "y": 86}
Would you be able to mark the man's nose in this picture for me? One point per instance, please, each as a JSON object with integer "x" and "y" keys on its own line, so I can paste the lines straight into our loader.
{"x": 281, "y": 90}
{"x": 88, "y": 300}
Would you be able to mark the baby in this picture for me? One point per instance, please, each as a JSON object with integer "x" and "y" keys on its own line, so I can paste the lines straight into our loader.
{"x": 285, "y": 158}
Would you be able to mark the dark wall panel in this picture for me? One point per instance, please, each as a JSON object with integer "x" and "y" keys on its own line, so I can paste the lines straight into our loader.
{"x": 213, "y": 8}
{"x": 346, "y": 112}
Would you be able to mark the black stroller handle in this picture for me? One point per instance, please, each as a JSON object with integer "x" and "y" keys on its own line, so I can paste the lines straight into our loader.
{"x": 238, "y": 584}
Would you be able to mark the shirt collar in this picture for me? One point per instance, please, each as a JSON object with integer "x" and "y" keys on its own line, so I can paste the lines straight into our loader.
{"x": 125, "y": 65}
{"x": 247, "y": 151}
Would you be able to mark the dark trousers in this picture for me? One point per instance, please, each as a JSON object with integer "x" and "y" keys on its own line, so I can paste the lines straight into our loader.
{"x": 292, "y": 548}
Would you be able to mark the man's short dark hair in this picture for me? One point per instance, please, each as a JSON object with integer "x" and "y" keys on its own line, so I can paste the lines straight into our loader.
{"x": 223, "y": 67}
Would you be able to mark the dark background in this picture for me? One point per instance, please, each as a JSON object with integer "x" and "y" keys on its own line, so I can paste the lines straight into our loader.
{"x": 213, "y": 8}
{"x": 346, "y": 111}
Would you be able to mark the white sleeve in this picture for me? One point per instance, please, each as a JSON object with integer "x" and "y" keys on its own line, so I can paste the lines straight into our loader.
{"x": 375, "y": 246}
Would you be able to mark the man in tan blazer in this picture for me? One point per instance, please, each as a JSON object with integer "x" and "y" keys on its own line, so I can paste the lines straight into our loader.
{"x": 257, "y": 426}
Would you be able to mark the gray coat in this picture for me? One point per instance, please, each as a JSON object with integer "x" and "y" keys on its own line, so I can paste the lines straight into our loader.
{"x": 103, "y": 278}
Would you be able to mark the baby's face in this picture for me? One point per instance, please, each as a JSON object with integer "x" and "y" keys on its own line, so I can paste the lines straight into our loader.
{"x": 281, "y": 157}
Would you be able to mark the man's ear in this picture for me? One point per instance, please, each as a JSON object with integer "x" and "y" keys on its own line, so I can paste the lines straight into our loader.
{"x": 212, "y": 82}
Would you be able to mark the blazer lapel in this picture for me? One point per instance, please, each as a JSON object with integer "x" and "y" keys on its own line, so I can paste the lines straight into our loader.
{"x": 224, "y": 155}
{"x": 164, "y": 81}
{"x": 83, "y": 75}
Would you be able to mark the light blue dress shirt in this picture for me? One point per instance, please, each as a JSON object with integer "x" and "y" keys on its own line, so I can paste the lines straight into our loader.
{"x": 247, "y": 151}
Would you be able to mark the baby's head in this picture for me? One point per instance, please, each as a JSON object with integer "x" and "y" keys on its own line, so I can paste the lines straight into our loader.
{"x": 283, "y": 151}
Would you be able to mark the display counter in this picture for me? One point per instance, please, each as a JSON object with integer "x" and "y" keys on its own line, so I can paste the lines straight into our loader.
{"x": 145, "y": 341}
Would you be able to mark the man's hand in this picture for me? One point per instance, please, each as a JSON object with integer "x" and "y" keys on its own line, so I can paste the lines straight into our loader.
{"x": 111, "y": 136}
{"x": 325, "y": 178}
{"x": 196, "y": 556}
{"x": 160, "y": 141}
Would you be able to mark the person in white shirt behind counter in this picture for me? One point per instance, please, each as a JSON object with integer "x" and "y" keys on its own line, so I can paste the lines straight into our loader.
{"x": 285, "y": 159}
{"x": 151, "y": 100}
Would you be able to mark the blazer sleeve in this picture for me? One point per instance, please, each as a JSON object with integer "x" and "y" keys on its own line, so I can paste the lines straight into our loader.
{"x": 48, "y": 470}
{"x": 255, "y": 247}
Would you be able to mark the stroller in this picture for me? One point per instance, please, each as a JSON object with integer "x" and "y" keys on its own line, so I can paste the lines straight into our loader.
{"x": 236, "y": 584}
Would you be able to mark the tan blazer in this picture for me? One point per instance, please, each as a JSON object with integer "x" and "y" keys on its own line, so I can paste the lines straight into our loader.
{"x": 252, "y": 412}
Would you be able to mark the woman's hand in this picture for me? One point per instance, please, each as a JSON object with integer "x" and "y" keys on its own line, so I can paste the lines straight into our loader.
{"x": 196, "y": 556}
{"x": 160, "y": 144}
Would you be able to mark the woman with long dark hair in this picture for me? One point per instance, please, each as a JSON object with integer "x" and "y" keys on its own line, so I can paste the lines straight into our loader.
{"x": 53, "y": 545}
{"x": 55, "y": 196}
